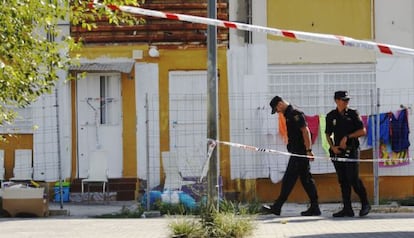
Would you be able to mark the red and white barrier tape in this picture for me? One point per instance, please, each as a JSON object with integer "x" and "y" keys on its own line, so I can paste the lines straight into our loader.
{"x": 211, "y": 146}
{"x": 253, "y": 148}
{"x": 297, "y": 35}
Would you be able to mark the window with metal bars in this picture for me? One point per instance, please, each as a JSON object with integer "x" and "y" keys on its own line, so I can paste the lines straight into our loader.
{"x": 311, "y": 88}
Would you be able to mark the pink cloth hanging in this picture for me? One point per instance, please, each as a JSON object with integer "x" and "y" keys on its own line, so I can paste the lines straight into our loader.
{"x": 313, "y": 124}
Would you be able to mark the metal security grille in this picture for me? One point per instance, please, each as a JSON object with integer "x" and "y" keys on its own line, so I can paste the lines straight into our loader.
{"x": 361, "y": 86}
{"x": 312, "y": 88}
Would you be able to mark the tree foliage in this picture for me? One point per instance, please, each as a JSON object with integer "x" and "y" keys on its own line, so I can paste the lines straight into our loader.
{"x": 33, "y": 50}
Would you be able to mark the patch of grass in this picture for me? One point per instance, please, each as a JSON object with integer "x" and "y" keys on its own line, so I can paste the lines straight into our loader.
{"x": 253, "y": 208}
{"x": 162, "y": 207}
{"x": 171, "y": 208}
{"x": 176, "y": 209}
{"x": 231, "y": 221}
{"x": 187, "y": 227}
{"x": 383, "y": 201}
{"x": 229, "y": 225}
{"x": 240, "y": 208}
{"x": 407, "y": 201}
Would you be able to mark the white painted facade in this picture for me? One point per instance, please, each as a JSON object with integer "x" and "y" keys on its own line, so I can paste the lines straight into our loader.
{"x": 146, "y": 88}
{"x": 303, "y": 64}
{"x": 394, "y": 24}
{"x": 52, "y": 148}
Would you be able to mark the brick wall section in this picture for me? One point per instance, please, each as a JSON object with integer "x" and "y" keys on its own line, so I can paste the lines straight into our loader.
{"x": 158, "y": 30}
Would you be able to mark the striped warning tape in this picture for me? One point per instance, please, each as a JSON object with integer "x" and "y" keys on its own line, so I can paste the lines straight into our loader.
{"x": 298, "y": 35}
{"x": 211, "y": 146}
{"x": 258, "y": 149}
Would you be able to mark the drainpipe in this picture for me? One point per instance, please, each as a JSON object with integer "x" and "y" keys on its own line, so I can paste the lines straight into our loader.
{"x": 373, "y": 20}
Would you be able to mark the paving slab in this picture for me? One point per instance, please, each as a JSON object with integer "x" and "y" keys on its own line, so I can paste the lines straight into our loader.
{"x": 382, "y": 222}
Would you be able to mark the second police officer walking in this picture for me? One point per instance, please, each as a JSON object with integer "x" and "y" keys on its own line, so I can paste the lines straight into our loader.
{"x": 343, "y": 128}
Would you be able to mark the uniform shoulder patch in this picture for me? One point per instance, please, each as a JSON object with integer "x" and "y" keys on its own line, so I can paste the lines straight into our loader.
{"x": 296, "y": 117}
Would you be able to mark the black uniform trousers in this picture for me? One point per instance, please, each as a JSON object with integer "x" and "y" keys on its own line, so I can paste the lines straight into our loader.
{"x": 297, "y": 167}
{"x": 348, "y": 178}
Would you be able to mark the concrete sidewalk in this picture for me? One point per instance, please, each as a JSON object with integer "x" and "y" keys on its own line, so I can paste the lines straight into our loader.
{"x": 88, "y": 209}
{"x": 382, "y": 222}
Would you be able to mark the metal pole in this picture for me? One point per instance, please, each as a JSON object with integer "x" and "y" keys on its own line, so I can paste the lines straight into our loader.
{"x": 58, "y": 147}
{"x": 375, "y": 133}
{"x": 376, "y": 163}
{"x": 147, "y": 154}
{"x": 51, "y": 38}
{"x": 373, "y": 120}
{"x": 213, "y": 184}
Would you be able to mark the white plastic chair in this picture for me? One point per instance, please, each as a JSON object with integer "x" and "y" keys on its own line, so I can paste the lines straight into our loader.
{"x": 23, "y": 168}
{"x": 173, "y": 177}
{"x": 98, "y": 171}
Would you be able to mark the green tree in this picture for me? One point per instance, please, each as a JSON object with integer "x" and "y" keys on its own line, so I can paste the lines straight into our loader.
{"x": 33, "y": 50}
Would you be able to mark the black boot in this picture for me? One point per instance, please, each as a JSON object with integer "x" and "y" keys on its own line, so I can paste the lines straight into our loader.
{"x": 365, "y": 208}
{"x": 345, "y": 212}
{"x": 313, "y": 210}
{"x": 272, "y": 209}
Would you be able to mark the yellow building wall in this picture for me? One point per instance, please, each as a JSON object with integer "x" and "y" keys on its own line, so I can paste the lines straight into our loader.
{"x": 129, "y": 127}
{"x": 169, "y": 60}
{"x": 351, "y": 18}
{"x": 340, "y": 17}
{"x": 129, "y": 169}
{"x": 109, "y": 51}
{"x": 10, "y": 143}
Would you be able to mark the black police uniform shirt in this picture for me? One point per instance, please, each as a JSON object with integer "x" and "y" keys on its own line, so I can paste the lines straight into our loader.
{"x": 344, "y": 124}
{"x": 295, "y": 120}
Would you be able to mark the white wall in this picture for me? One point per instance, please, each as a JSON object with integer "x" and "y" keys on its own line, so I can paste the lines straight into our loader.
{"x": 146, "y": 83}
{"x": 50, "y": 161}
{"x": 248, "y": 64}
{"x": 247, "y": 76}
{"x": 394, "y": 72}
{"x": 394, "y": 24}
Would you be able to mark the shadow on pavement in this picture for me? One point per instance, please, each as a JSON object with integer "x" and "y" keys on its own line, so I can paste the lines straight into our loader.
{"x": 361, "y": 235}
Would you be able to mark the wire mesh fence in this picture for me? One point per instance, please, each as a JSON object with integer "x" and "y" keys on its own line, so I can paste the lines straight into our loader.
{"x": 250, "y": 123}
{"x": 35, "y": 130}
{"x": 179, "y": 134}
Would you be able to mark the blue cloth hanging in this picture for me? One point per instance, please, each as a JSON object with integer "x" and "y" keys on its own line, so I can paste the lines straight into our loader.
{"x": 400, "y": 131}
{"x": 384, "y": 135}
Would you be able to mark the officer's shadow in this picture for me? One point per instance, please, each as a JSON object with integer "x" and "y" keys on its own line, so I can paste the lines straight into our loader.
{"x": 284, "y": 219}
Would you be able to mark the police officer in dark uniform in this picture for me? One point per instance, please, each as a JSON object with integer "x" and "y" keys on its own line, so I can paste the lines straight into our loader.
{"x": 346, "y": 126}
{"x": 299, "y": 143}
